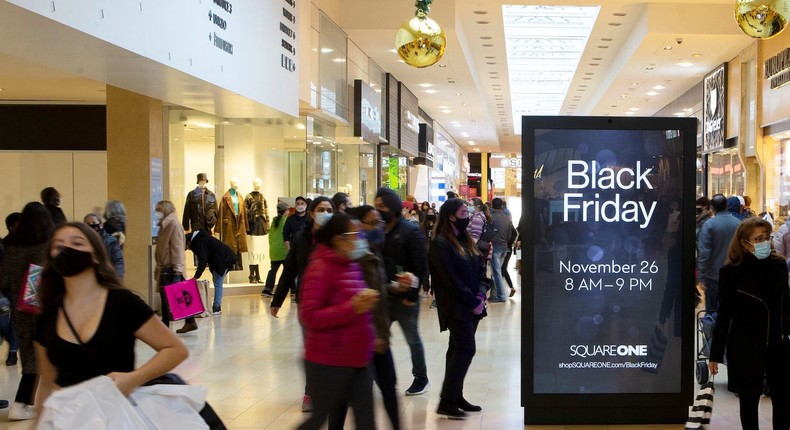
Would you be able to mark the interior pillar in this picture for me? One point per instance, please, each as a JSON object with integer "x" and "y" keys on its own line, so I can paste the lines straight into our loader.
{"x": 134, "y": 156}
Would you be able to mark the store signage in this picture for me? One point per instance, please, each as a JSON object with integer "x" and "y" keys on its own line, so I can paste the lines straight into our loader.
{"x": 246, "y": 47}
{"x": 409, "y": 122}
{"x": 367, "y": 112}
{"x": 777, "y": 69}
{"x": 714, "y": 111}
{"x": 511, "y": 162}
{"x": 425, "y": 145}
{"x": 596, "y": 293}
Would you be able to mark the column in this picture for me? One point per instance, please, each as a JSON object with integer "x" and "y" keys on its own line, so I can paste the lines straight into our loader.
{"x": 484, "y": 177}
{"x": 134, "y": 143}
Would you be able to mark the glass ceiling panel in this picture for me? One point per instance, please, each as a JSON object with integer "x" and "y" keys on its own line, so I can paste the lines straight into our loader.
{"x": 544, "y": 45}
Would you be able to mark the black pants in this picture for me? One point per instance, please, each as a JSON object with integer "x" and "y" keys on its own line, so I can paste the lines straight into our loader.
{"x": 272, "y": 275}
{"x": 26, "y": 393}
{"x": 460, "y": 352}
{"x": 167, "y": 277}
{"x": 750, "y": 417}
{"x": 383, "y": 368}
{"x": 505, "y": 273}
{"x": 332, "y": 388}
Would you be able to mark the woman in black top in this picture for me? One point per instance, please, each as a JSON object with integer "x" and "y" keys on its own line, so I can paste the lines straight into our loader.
{"x": 459, "y": 283}
{"x": 90, "y": 322}
{"x": 754, "y": 312}
{"x": 427, "y": 225}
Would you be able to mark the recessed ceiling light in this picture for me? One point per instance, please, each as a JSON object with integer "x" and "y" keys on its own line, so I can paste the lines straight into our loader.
{"x": 480, "y": 12}
{"x": 629, "y": 113}
{"x": 491, "y": 63}
{"x": 394, "y": 51}
{"x": 679, "y": 114}
{"x": 606, "y": 39}
{"x": 493, "y": 73}
{"x": 586, "y": 79}
{"x": 594, "y": 64}
{"x": 668, "y": 48}
{"x": 328, "y": 50}
{"x": 442, "y": 107}
{"x": 659, "y": 87}
{"x": 488, "y": 45}
{"x": 431, "y": 91}
{"x": 634, "y": 109}
{"x": 463, "y": 103}
{"x": 589, "y": 73}
{"x": 458, "y": 125}
{"x": 472, "y": 142}
{"x": 481, "y": 22}
{"x": 619, "y": 14}
{"x": 603, "y": 46}
{"x": 458, "y": 94}
{"x": 685, "y": 64}
{"x": 489, "y": 57}
{"x": 696, "y": 55}
{"x": 597, "y": 59}
{"x": 447, "y": 111}
{"x": 425, "y": 85}
{"x": 651, "y": 93}
{"x": 485, "y": 37}
{"x": 634, "y": 84}
{"x": 614, "y": 24}
{"x": 442, "y": 65}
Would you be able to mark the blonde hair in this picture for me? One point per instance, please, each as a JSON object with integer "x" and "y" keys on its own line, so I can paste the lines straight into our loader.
{"x": 735, "y": 253}
{"x": 167, "y": 207}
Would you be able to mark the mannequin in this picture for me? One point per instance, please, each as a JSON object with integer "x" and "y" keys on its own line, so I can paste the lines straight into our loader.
{"x": 200, "y": 209}
{"x": 233, "y": 218}
{"x": 257, "y": 220}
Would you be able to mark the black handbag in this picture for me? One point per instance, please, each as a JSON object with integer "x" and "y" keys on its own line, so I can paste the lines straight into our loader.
{"x": 207, "y": 413}
{"x": 486, "y": 236}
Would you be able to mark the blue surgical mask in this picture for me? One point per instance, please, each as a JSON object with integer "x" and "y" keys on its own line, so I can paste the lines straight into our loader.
{"x": 375, "y": 236}
{"x": 321, "y": 218}
{"x": 360, "y": 250}
{"x": 762, "y": 250}
{"x": 471, "y": 210}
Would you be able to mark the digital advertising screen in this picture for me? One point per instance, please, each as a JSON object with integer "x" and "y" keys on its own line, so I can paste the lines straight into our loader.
{"x": 608, "y": 310}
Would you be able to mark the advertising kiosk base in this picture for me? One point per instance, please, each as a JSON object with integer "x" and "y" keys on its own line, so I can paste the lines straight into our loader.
{"x": 598, "y": 415}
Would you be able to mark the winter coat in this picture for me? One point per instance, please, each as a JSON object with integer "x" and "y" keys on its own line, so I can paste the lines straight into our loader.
{"x": 170, "y": 245}
{"x": 476, "y": 224}
{"x": 200, "y": 210}
{"x": 782, "y": 240}
{"x": 212, "y": 253}
{"x": 504, "y": 226}
{"x": 114, "y": 252}
{"x": 277, "y": 250}
{"x": 404, "y": 250}
{"x": 712, "y": 243}
{"x": 334, "y": 334}
{"x": 294, "y": 224}
{"x": 257, "y": 210}
{"x": 373, "y": 272}
{"x": 13, "y": 270}
{"x": 456, "y": 280}
{"x": 753, "y": 318}
{"x": 57, "y": 215}
{"x": 233, "y": 226}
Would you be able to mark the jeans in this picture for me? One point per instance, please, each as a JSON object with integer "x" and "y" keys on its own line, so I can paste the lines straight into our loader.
{"x": 497, "y": 260}
{"x": 8, "y": 333}
{"x": 218, "y": 279}
{"x": 272, "y": 275}
{"x": 711, "y": 295}
{"x": 407, "y": 317}
{"x": 332, "y": 389}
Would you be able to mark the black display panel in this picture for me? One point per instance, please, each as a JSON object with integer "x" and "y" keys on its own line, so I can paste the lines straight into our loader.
{"x": 608, "y": 230}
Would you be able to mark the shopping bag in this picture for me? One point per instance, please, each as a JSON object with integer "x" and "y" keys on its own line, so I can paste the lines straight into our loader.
{"x": 184, "y": 299}
{"x": 203, "y": 290}
{"x": 28, "y": 295}
{"x": 656, "y": 348}
{"x": 702, "y": 409}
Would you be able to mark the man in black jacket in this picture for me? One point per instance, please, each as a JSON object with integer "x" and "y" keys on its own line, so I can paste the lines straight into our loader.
{"x": 211, "y": 252}
{"x": 406, "y": 265}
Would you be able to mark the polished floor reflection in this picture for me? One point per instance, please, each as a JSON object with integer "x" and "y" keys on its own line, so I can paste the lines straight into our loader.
{"x": 250, "y": 363}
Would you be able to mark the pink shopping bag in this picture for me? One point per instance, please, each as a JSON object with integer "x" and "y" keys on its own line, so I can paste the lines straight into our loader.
{"x": 184, "y": 299}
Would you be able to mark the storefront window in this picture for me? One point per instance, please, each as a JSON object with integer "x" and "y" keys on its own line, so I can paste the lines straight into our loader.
{"x": 777, "y": 193}
{"x": 367, "y": 175}
{"x": 395, "y": 172}
{"x": 726, "y": 173}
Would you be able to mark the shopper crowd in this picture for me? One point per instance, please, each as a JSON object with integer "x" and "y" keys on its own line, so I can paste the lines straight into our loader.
{"x": 385, "y": 258}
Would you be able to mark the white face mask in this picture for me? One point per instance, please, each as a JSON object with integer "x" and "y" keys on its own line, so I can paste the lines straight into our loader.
{"x": 159, "y": 215}
{"x": 321, "y": 218}
{"x": 301, "y": 208}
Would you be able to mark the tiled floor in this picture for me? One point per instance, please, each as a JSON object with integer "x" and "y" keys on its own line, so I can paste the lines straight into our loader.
{"x": 250, "y": 363}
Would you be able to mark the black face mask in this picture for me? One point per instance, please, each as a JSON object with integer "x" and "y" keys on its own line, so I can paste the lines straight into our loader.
{"x": 699, "y": 210}
{"x": 461, "y": 223}
{"x": 95, "y": 227}
{"x": 430, "y": 217}
{"x": 386, "y": 216}
{"x": 70, "y": 262}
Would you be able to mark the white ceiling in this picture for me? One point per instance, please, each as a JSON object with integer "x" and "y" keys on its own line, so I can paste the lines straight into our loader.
{"x": 624, "y": 59}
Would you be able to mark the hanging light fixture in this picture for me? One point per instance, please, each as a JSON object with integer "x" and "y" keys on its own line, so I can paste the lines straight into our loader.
{"x": 762, "y": 19}
{"x": 420, "y": 41}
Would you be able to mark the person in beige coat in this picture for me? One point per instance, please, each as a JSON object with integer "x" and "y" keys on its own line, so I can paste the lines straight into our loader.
{"x": 169, "y": 255}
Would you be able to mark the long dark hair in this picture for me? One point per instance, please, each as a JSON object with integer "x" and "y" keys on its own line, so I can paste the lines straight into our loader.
{"x": 34, "y": 226}
{"x": 463, "y": 243}
{"x": 314, "y": 204}
{"x": 279, "y": 217}
{"x": 360, "y": 212}
{"x": 336, "y": 226}
{"x": 53, "y": 288}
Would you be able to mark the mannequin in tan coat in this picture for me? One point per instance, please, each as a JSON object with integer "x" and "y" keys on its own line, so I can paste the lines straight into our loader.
{"x": 233, "y": 219}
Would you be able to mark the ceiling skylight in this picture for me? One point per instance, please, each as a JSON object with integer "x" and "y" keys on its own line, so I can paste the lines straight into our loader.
{"x": 544, "y": 45}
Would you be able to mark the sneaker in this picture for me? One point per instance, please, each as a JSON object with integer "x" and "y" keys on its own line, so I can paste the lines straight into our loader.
{"x": 420, "y": 385}
{"x": 20, "y": 411}
{"x": 464, "y": 405}
{"x": 267, "y": 294}
{"x": 512, "y": 291}
{"x": 3, "y": 404}
{"x": 216, "y": 310}
{"x": 307, "y": 404}
{"x": 12, "y": 359}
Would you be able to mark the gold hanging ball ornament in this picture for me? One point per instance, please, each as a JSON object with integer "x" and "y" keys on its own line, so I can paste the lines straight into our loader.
{"x": 762, "y": 19}
{"x": 420, "y": 41}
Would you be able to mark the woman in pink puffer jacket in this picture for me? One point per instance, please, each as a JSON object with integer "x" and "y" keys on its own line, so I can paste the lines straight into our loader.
{"x": 335, "y": 311}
